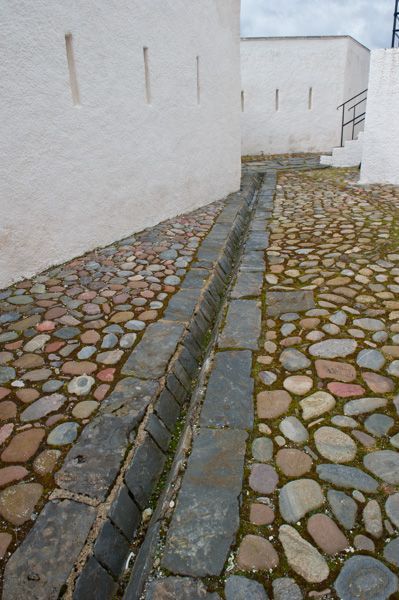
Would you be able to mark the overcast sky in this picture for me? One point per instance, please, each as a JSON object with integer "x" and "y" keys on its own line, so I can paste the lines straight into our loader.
{"x": 368, "y": 21}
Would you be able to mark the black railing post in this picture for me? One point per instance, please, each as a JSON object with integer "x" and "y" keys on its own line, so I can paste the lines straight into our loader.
{"x": 395, "y": 31}
{"x": 356, "y": 119}
{"x": 342, "y": 126}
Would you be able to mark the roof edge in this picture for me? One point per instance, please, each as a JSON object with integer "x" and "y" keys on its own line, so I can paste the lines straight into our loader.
{"x": 303, "y": 37}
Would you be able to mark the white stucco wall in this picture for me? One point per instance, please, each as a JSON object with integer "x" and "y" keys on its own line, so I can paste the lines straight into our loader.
{"x": 335, "y": 67}
{"x": 76, "y": 177}
{"x": 380, "y": 162}
{"x": 357, "y": 70}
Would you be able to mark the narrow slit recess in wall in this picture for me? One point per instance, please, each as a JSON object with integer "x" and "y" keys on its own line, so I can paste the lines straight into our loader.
{"x": 197, "y": 60}
{"x": 147, "y": 76}
{"x": 277, "y": 99}
{"x": 310, "y": 99}
{"x": 242, "y": 101}
{"x": 73, "y": 79}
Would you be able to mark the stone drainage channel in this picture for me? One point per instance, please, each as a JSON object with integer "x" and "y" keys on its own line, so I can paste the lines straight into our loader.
{"x": 194, "y": 526}
{"x": 96, "y": 538}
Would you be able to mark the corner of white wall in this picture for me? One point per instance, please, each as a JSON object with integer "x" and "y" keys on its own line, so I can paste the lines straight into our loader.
{"x": 380, "y": 161}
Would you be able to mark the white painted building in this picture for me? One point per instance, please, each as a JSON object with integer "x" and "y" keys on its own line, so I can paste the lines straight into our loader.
{"x": 380, "y": 159}
{"x": 115, "y": 116}
{"x": 291, "y": 87}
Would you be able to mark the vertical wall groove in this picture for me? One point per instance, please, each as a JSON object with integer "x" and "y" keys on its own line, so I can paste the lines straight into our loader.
{"x": 198, "y": 80}
{"x": 242, "y": 101}
{"x": 73, "y": 79}
{"x": 147, "y": 76}
{"x": 277, "y": 100}
{"x": 310, "y": 99}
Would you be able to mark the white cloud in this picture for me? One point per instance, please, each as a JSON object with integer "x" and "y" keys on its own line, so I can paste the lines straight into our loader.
{"x": 368, "y": 21}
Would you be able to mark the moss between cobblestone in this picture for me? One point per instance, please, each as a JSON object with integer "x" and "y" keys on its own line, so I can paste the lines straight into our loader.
{"x": 169, "y": 458}
{"x": 337, "y": 176}
{"x": 246, "y": 527}
{"x": 176, "y": 438}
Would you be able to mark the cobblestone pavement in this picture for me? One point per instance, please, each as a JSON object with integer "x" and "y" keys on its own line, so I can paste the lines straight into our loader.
{"x": 64, "y": 336}
{"x": 292, "y": 486}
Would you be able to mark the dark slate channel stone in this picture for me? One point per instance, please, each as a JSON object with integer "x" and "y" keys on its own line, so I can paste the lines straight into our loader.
{"x": 188, "y": 362}
{"x": 151, "y": 356}
{"x": 253, "y": 260}
{"x": 111, "y": 549}
{"x": 365, "y": 577}
{"x": 225, "y": 263}
{"x": 195, "y": 338}
{"x": 241, "y": 588}
{"x": 258, "y": 223}
{"x": 257, "y": 240}
{"x": 242, "y": 327}
{"x": 158, "y": 431}
{"x": 292, "y": 301}
{"x": 167, "y": 409}
{"x": 176, "y": 388}
{"x": 228, "y": 214}
{"x": 42, "y": 563}
{"x": 125, "y": 513}
{"x": 206, "y": 518}
{"x": 94, "y": 582}
{"x": 181, "y": 374}
{"x": 181, "y": 305}
{"x": 347, "y": 477}
{"x": 144, "y": 470}
{"x": 190, "y": 342}
{"x": 229, "y": 395}
{"x": 178, "y": 588}
{"x": 195, "y": 278}
{"x": 93, "y": 463}
{"x": 207, "y": 257}
{"x": 248, "y": 284}
{"x": 143, "y": 562}
{"x": 130, "y": 397}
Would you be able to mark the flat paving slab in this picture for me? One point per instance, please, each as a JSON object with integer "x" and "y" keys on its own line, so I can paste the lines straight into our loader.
{"x": 206, "y": 518}
{"x": 40, "y": 566}
{"x": 242, "y": 326}
{"x": 181, "y": 305}
{"x": 289, "y": 301}
{"x": 248, "y": 284}
{"x": 92, "y": 464}
{"x": 229, "y": 394}
{"x": 151, "y": 356}
{"x": 253, "y": 260}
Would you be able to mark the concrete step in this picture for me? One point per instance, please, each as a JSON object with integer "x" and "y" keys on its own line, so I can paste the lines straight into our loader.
{"x": 350, "y": 155}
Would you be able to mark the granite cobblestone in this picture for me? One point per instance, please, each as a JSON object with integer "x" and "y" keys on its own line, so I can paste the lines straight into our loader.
{"x": 326, "y": 383}
{"x": 295, "y": 459}
{"x": 98, "y": 300}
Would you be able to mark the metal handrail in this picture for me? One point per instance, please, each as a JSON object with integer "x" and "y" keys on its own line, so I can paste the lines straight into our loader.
{"x": 353, "y": 97}
{"x": 356, "y": 119}
{"x": 357, "y": 104}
